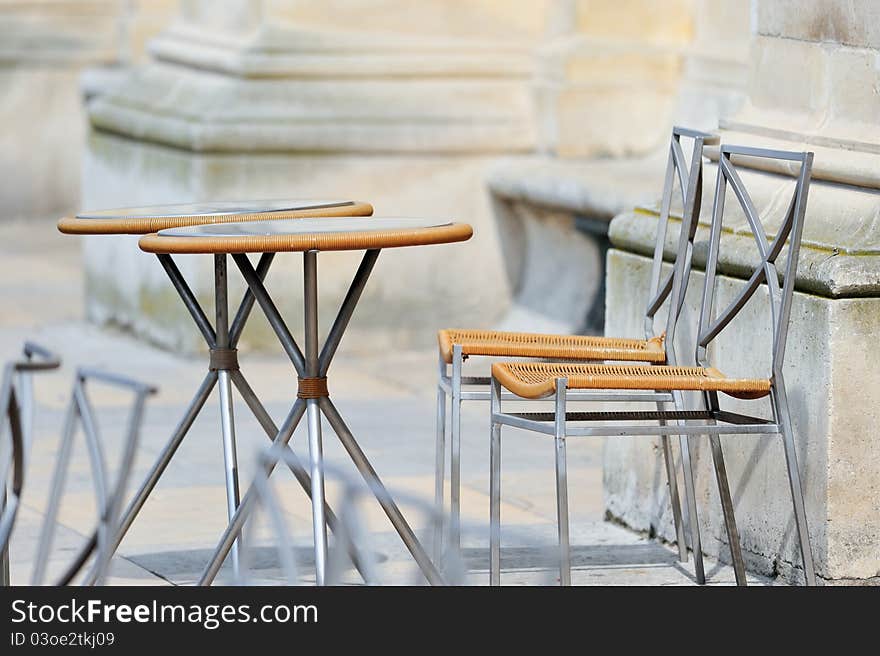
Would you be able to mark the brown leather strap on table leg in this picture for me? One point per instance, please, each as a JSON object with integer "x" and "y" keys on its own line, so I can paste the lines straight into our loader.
{"x": 312, "y": 388}
{"x": 223, "y": 359}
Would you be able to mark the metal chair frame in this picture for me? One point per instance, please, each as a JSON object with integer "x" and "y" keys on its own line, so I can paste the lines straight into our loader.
{"x": 16, "y": 403}
{"x": 451, "y": 383}
{"x": 356, "y": 544}
{"x": 108, "y": 497}
{"x": 711, "y": 420}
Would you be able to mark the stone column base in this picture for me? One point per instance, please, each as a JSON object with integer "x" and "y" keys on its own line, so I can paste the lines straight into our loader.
{"x": 831, "y": 377}
{"x": 412, "y": 293}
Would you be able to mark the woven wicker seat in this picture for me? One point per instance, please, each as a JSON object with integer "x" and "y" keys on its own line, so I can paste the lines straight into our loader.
{"x": 535, "y": 380}
{"x": 679, "y": 210}
{"x": 536, "y": 345}
{"x": 777, "y": 247}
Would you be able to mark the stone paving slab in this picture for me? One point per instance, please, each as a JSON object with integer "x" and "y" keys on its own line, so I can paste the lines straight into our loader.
{"x": 66, "y": 545}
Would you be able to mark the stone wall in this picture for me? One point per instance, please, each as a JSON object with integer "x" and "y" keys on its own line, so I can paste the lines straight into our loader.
{"x": 607, "y": 89}
{"x": 524, "y": 21}
{"x": 400, "y": 104}
{"x": 813, "y": 84}
{"x": 426, "y": 94}
{"x": 44, "y": 47}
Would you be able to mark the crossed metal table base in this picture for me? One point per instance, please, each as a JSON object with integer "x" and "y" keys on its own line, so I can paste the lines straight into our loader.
{"x": 313, "y": 401}
{"x": 224, "y": 372}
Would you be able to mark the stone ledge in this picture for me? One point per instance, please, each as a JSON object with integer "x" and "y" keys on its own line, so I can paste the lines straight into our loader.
{"x": 598, "y": 188}
{"x": 836, "y": 160}
{"x": 816, "y": 96}
{"x": 204, "y": 112}
{"x": 289, "y": 52}
{"x": 839, "y": 259}
{"x": 832, "y": 274}
{"x": 282, "y": 89}
{"x": 552, "y": 219}
{"x": 59, "y": 35}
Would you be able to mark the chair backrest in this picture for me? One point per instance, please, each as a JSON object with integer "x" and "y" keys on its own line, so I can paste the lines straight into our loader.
{"x": 712, "y": 323}
{"x": 689, "y": 180}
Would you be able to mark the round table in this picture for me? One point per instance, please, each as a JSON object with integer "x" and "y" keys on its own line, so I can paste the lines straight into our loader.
{"x": 313, "y": 399}
{"x": 144, "y": 220}
{"x": 221, "y": 337}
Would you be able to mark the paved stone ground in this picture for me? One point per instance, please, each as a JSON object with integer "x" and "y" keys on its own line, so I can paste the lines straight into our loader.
{"x": 389, "y": 404}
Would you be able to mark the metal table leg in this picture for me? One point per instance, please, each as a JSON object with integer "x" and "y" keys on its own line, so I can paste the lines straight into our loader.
{"x": 313, "y": 415}
{"x": 236, "y": 523}
{"x": 385, "y": 500}
{"x": 214, "y": 338}
{"x": 224, "y": 386}
{"x": 313, "y": 392}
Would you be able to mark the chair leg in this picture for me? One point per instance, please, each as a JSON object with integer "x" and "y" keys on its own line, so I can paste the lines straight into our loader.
{"x": 495, "y": 490}
{"x": 455, "y": 457}
{"x": 439, "y": 474}
{"x": 562, "y": 487}
{"x": 693, "y": 519}
{"x": 794, "y": 481}
{"x": 674, "y": 500}
{"x": 733, "y": 540}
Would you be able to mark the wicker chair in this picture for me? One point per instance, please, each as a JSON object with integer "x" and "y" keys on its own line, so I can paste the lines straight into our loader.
{"x": 534, "y": 380}
{"x": 457, "y": 345}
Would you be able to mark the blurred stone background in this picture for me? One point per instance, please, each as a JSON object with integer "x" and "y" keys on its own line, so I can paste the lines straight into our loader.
{"x": 538, "y": 122}
{"x": 535, "y": 120}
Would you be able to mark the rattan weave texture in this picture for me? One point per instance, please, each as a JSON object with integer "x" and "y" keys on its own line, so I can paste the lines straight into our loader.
{"x": 537, "y": 345}
{"x": 534, "y": 380}
{"x": 298, "y": 242}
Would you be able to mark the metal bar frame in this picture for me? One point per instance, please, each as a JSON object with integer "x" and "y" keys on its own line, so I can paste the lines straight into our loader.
{"x": 224, "y": 387}
{"x": 556, "y": 424}
{"x": 542, "y": 424}
{"x": 305, "y": 366}
{"x": 10, "y": 491}
{"x": 108, "y": 498}
{"x": 661, "y": 289}
{"x": 712, "y": 323}
{"x": 351, "y": 532}
{"x": 16, "y": 406}
{"x": 562, "y": 485}
{"x": 712, "y": 421}
{"x": 248, "y": 501}
{"x": 230, "y": 335}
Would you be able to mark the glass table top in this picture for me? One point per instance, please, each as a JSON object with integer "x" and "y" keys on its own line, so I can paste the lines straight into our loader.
{"x": 219, "y": 208}
{"x": 303, "y": 226}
